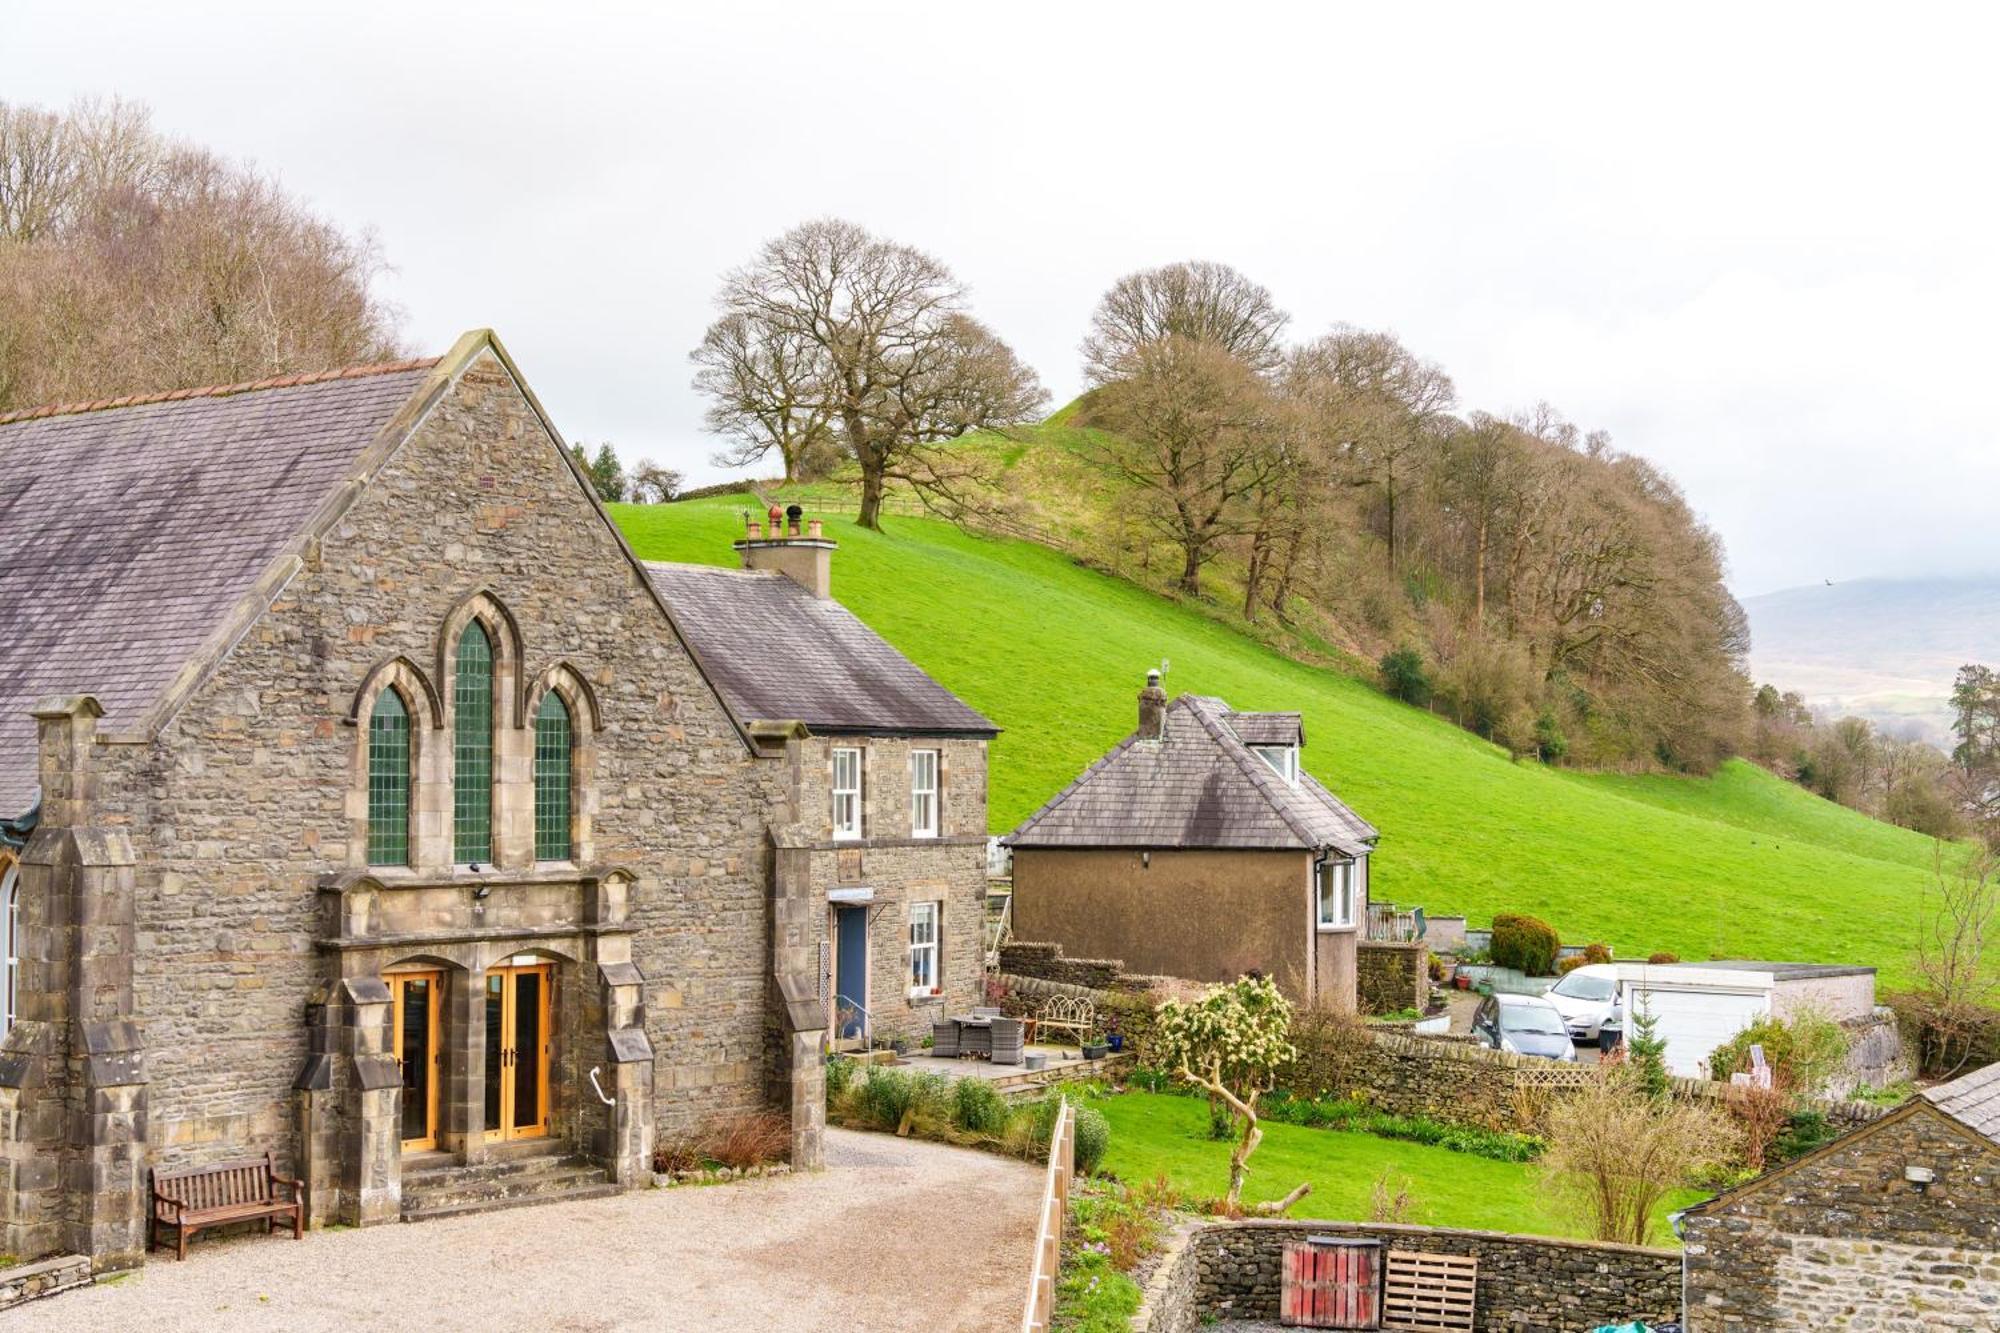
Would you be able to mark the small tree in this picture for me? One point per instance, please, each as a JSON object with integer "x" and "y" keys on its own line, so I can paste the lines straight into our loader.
{"x": 1404, "y": 677}
{"x": 1646, "y": 1050}
{"x": 1231, "y": 1044}
{"x": 653, "y": 484}
{"x": 1616, "y": 1151}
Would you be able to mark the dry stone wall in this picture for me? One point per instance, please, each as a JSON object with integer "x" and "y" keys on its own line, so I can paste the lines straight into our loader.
{"x": 1527, "y": 1284}
{"x": 1392, "y": 975}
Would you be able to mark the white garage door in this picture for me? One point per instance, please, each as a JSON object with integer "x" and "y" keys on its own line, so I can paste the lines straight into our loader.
{"x": 1695, "y": 1022}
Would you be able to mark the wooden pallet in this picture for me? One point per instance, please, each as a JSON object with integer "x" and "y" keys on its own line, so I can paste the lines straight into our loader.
{"x": 1429, "y": 1293}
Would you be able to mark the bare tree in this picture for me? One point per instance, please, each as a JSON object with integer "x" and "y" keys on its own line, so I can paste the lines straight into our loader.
{"x": 131, "y": 263}
{"x": 1616, "y": 1152}
{"x": 1199, "y": 301}
{"x": 1956, "y": 955}
{"x": 652, "y": 484}
{"x": 833, "y": 332}
{"x": 1194, "y": 428}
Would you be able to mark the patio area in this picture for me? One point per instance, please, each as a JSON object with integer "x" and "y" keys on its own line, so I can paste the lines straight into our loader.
{"x": 1059, "y": 1063}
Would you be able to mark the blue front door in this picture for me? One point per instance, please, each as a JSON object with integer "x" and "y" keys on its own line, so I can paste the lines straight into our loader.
{"x": 850, "y": 969}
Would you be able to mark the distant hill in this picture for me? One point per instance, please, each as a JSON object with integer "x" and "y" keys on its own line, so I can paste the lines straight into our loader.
{"x": 1741, "y": 865}
{"x": 1885, "y": 649}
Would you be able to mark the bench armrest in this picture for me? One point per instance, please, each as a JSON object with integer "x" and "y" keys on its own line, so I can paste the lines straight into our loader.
{"x": 297, "y": 1187}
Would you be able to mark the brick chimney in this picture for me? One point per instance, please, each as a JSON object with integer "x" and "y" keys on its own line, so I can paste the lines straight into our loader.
{"x": 792, "y": 548}
{"x": 1152, "y": 708}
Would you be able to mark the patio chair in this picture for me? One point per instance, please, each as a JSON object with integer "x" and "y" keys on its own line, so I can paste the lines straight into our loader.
{"x": 944, "y": 1040}
{"x": 1008, "y": 1043}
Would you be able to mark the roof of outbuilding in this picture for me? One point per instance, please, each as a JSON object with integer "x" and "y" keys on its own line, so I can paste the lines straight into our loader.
{"x": 1973, "y": 1100}
{"x": 1197, "y": 786}
{"x": 777, "y": 653}
{"x": 129, "y": 527}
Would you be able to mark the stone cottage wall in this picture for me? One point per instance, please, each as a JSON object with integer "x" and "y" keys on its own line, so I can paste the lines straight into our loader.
{"x": 1844, "y": 1241}
{"x": 900, "y": 870}
{"x": 1527, "y": 1284}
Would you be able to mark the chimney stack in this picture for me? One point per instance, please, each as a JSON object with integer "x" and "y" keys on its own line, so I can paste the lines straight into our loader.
{"x": 1152, "y": 708}
{"x": 805, "y": 560}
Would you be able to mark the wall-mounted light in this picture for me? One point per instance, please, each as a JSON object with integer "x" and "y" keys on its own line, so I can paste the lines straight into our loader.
{"x": 1920, "y": 1176}
{"x": 1146, "y": 860}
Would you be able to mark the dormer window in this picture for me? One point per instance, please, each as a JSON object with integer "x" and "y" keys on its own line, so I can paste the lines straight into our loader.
{"x": 1283, "y": 759}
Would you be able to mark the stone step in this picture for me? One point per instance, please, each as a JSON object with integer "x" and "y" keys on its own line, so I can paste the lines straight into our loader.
{"x": 505, "y": 1187}
{"x": 492, "y": 1169}
{"x": 469, "y": 1207}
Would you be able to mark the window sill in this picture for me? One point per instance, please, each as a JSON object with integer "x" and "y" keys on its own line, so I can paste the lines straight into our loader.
{"x": 1338, "y": 930}
{"x": 924, "y": 999}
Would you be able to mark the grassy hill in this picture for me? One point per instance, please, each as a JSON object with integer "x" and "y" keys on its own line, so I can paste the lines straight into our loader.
{"x": 1741, "y": 864}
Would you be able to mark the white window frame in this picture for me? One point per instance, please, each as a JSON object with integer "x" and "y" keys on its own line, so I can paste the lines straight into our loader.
{"x": 847, "y": 792}
{"x": 1335, "y": 903}
{"x": 10, "y": 945}
{"x": 926, "y": 927}
{"x": 1283, "y": 760}
{"x": 924, "y": 797}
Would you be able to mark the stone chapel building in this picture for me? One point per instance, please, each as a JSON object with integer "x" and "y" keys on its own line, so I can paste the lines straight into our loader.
{"x": 364, "y": 801}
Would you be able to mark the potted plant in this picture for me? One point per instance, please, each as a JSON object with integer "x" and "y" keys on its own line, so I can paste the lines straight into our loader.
{"x": 1112, "y": 1035}
{"x": 1095, "y": 1047}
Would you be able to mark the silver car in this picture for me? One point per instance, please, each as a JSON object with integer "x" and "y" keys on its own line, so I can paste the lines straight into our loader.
{"x": 1523, "y": 1024}
{"x": 1585, "y": 997}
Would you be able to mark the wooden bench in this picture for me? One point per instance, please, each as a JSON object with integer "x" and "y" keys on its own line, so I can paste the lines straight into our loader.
{"x": 243, "y": 1190}
{"x": 1067, "y": 1013}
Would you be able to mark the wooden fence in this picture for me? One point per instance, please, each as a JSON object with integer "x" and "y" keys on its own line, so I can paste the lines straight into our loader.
{"x": 1048, "y": 1234}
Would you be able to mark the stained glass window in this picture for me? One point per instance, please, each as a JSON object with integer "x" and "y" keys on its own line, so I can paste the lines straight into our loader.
{"x": 389, "y": 781}
{"x": 472, "y": 748}
{"x": 552, "y": 779}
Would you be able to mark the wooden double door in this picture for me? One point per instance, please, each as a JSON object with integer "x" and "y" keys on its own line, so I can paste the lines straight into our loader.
{"x": 519, "y": 1003}
{"x": 519, "y": 999}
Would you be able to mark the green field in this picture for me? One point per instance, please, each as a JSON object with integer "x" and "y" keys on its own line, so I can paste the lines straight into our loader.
{"x": 1739, "y": 865}
{"x": 1155, "y": 1134}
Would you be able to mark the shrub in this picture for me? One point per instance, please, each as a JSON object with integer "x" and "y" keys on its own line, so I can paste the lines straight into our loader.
{"x": 1525, "y": 943}
{"x": 1615, "y": 1152}
{"x": 1804, "y": 1054}
{"x": 743, "y": 1141}
{"x": 1662, "y": 957}
{"x": 892, "y": 1098}
{"x": 1571, "y": 964}
{"x": 1404, "y": 677}
{"x": 677, "y": 1153}
{"x": 1550, "y": 742}
{"x": 977, "y": 1108}
{"x": 1093, "y": 1136}
{"x": 839, "y": 1073}
{"x": 1597, "y": 953}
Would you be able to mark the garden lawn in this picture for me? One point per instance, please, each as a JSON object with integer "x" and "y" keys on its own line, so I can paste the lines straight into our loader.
{"x": 1738, "y": 865}
{"x": 1155, "y": 1134}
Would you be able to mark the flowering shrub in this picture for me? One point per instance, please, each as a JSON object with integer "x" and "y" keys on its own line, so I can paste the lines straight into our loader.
{"x": 1231, "y": 1043}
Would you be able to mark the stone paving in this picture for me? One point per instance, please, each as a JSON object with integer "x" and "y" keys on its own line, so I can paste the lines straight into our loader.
{"x": 859, "y": 1246}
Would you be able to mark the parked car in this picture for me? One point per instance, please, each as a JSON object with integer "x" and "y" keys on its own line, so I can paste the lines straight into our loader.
{"x": 1523, "y": 1024}
{"x": 1584, "y": 997}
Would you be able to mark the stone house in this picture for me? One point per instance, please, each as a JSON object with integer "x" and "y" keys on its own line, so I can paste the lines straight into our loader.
{"x": 363, "y": 802}
{"x": 1200, "y": 848}
{"x": 1894, "y": 1227}
{"x": 891, "y": 780}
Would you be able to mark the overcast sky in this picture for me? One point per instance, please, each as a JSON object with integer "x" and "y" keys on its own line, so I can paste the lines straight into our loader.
{"x": 1756, "y": 246}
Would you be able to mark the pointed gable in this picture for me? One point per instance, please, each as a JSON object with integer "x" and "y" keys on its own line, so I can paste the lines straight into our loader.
{"x": 1197, "y": 786}
{"x": 128, "y": 530}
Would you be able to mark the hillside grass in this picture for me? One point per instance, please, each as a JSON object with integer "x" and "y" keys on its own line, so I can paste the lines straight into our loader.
{"x": 1738, "y": 865}
{"x": 1157, "y": 1135}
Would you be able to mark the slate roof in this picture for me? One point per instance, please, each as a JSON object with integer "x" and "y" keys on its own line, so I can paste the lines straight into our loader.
{"x": 1197, "y": 786}
{"x": 1267, "y": 728}
{"x": 1973, "y": 1100}
{"x": 776, "y": 653}
{"x": 129, "y": 527}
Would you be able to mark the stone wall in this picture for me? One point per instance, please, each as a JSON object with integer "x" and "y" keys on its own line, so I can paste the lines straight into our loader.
{"x": 1392, "y": 975}
{"x": 1527, "y": 1284}
{"x": 1126, "y": 1013}
{"x": 27, "y": 1282}
{"x": 1045, "y": 962}
{"x": 1843, "y": 1240}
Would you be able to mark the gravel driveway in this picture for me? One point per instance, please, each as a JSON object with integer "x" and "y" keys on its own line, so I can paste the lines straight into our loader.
{"x": 855, "y": 1247}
